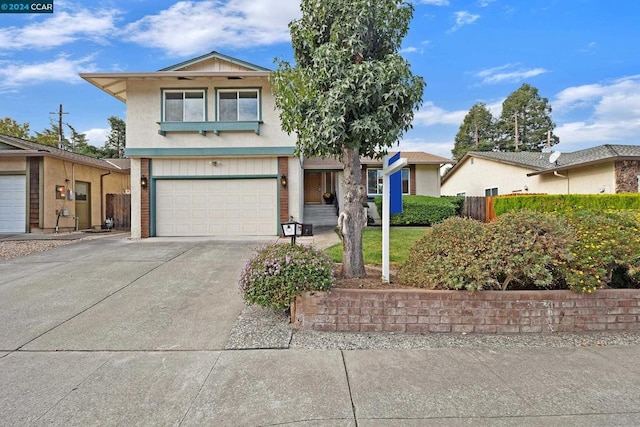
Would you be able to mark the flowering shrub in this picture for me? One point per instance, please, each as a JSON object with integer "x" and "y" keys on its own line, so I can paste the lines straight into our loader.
{"x": 582, "y": 251}
{"x": 278, "y": 272}
{"x": 606, "y": 250}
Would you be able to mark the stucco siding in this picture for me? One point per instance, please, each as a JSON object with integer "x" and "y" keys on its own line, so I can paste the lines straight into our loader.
{"x": 427, "y": 180}
{"x": 56, "y": 172}
{"x": 144, "y": 110}
{"x": 593, "y": 179}
{"x": 13, "y": 164}
{"x": 476, "y": 175}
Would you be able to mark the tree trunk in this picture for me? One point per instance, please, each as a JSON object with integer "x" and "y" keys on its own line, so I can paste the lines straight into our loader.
{"x": 353, "y": 217}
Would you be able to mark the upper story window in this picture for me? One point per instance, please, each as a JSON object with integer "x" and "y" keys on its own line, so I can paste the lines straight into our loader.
{"x": 184, "y": 105}
{"x": 238, "y": 105}
{"x": 374, "y": 181}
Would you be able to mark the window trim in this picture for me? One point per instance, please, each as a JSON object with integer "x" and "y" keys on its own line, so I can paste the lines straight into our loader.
{"x": 257, "y": 90}
{"x": 491, "y": 190}
{"x": 183, "y": 90}
{"x": 408, "y": 169}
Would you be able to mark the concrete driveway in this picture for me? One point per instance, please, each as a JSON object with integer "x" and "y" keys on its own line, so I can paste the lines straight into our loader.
{"x": 118, "y": 332}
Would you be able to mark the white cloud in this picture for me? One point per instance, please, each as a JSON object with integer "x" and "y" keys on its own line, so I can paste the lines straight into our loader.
{"x": 442, "y": 149}
{"x": 410, "y": 49}
{"x": 612, "y": 112}
{"x": 430, "y": 114}
{"x": 61, "y": 28}
{"x": 485, "y": 3}
{"x": 97, "y": 137}
{"x": 463, "y": 18}
{"x": 508, "y": 73}
{"x": 190, "y": 27}
{"x": 16, "y": 74}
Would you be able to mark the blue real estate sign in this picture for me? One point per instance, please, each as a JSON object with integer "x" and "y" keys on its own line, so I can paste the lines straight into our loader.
{"x": 395, "y": 187}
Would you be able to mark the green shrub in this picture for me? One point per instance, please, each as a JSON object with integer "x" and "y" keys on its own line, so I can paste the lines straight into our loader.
{"x": 606, "y": 251}
{"x": 528, "y": 249}
{"x": 278, "y": 272}
{"x": 450, "y": 256}
{"x": 565, "y": 203}
{"x": 582, "y": 251}
{"x": 423, "y": 210}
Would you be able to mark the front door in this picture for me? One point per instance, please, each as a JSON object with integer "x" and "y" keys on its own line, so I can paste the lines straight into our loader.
{"x": 313, "y": 187}
{"x": 83, "y": 204}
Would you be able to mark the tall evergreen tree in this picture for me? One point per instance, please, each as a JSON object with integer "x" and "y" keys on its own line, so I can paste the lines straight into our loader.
{"x": 116, "y": 140}
{"x": 349, "y": 94}
{"x": 477, "y": 132}
{"x": 525, "y": 123}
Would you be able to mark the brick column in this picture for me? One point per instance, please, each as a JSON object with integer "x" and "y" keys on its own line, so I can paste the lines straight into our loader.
{"x": 412, "y": 180}
{"x": 34, "y": 193}
{"x": 283, "y": 169}
{"x": 145, "y": 201}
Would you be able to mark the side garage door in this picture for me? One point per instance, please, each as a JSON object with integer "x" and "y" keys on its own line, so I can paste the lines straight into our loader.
{"x": 230, "y": 207}
{"x": 13, "y": 203}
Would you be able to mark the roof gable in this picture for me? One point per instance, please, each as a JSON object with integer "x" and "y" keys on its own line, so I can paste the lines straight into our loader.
{"x": 214, "y": 61}
{"x": 538, "y": 162}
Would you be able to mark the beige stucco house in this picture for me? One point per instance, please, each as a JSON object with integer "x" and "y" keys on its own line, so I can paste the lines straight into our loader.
{"x": 205, "y": 139}
{"x": 44, "y": 189}
{"x": 597, "y": 170}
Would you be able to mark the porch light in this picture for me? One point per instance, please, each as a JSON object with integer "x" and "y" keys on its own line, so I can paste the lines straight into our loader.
{"x": 143, "y": 181}
{"x": 292, "y": 229}
{"x": 283, "y": 180}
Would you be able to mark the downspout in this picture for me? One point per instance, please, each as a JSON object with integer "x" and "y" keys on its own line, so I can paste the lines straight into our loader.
{"x": 102, "y": 210}
{"x": 555, "y": 173}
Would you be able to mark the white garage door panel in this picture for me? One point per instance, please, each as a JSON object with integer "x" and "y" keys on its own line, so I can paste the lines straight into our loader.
{"x": 13, "y": 204}
{"x": 246, "y": 207}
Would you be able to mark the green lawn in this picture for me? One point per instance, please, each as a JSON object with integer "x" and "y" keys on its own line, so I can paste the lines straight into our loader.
{"x": 401, "y": 239}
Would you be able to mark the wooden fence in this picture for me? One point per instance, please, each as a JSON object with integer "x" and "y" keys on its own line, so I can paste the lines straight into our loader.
{"x": 479, "y": 208}
{"x": 119, "y": 208}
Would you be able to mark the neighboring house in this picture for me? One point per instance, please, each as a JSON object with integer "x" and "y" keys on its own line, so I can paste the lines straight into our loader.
{"x": 205, "y": 137}
{"x": 43, "y": 188}
{"x": 601, "y": 169}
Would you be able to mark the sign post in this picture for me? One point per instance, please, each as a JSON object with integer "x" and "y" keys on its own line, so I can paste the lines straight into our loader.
{"x": 391, "y": 165}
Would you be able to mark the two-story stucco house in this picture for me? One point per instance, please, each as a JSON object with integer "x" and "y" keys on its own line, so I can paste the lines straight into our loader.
{"x": 208, "y": 156}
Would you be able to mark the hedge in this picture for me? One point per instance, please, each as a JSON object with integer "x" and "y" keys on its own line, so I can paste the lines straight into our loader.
{"x": 563, "y": 203}
{"x": 423, "y": 210}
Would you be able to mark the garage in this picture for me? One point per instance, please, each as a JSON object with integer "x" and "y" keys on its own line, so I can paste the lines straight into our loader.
{"x": 216, "y": 207}
{"x": 13, "y": 203}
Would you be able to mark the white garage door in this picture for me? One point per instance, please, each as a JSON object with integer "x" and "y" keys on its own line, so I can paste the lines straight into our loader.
{"x": 13, "y": 204}
{"x": 229, "y": 207}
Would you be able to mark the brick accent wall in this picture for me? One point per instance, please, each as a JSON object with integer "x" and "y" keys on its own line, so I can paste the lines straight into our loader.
{"x": 283, "y": 169}
{"x": 34, "y": 193}
{"x": 145, "y": 201}
{"x": 412, "y": 180}
{"x": 423, "y": 311}
{"x": 627, "y": 172}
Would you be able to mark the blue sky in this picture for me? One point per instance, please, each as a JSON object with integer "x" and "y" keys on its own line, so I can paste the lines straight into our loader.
{"x": 583, "y": 55}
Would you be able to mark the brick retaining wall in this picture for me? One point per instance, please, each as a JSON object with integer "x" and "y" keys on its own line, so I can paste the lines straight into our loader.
{"x": 422, "y": 311}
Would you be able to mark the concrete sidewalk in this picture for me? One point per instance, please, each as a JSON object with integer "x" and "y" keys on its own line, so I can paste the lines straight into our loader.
{"x": 112, "y": 331}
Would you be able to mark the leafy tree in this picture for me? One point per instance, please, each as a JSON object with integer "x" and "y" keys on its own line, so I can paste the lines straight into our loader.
{"x": 349, "y": 94}
{"x": 50, "y": 136}
{"x": 477, "y": 132}
{"x": 116, "y": 140}
{"x": 80, "y": 145}
{"x": 10, "y": 127}
{"x": 529, "y": 113}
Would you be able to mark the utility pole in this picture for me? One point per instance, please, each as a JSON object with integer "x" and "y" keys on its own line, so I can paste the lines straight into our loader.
{"x": 60, "y": 113}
